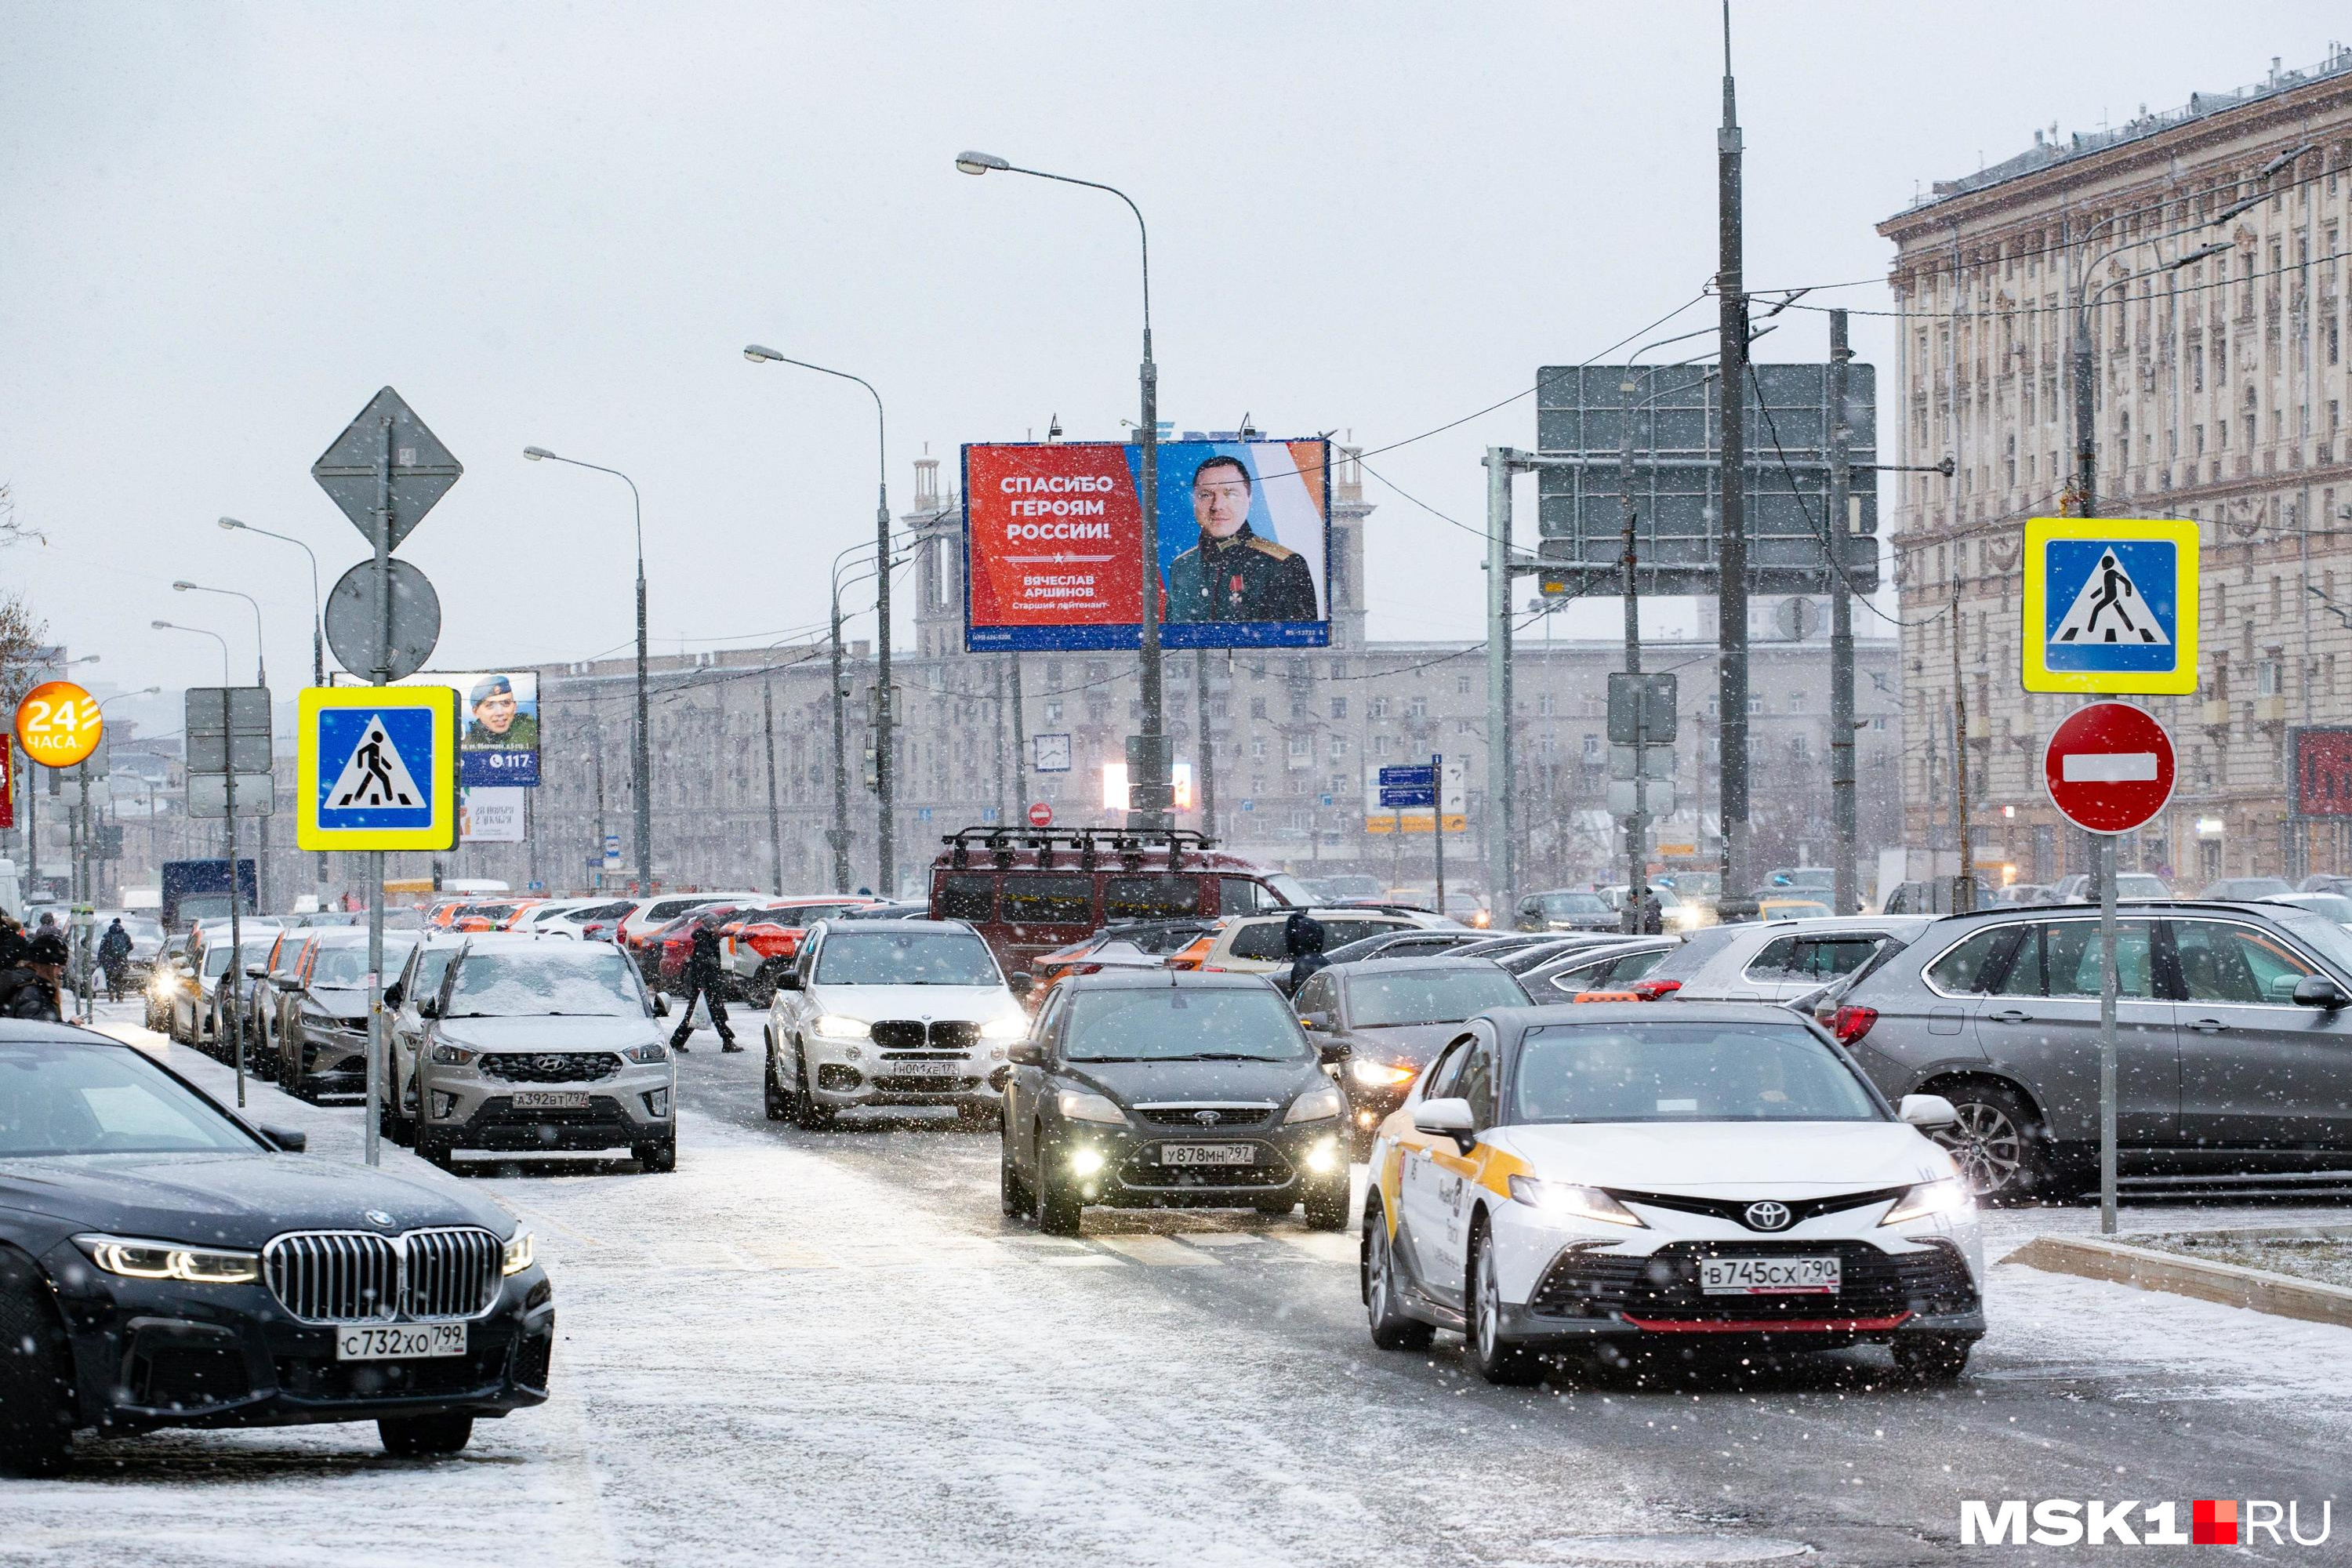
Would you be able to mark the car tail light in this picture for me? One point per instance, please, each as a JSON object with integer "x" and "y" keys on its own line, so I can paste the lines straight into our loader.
{"x": 1652, "y": 990}
{"x": 1852, "y": 1023}
{"x": 772, "y": 942}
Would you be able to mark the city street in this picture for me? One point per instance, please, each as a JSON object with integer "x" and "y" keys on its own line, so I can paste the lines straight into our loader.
{"x": 829, "y": 1347}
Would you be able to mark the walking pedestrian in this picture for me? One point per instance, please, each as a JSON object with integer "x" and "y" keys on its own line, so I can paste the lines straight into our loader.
{"x": 29, "y": 989}
{"x": 704, "y": 978}
{"x": 114, "y": 957}
{"x": 1302, "y": 938}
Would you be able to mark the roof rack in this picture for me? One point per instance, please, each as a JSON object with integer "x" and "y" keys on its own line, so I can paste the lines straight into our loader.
{"x": 1089, "y": 845}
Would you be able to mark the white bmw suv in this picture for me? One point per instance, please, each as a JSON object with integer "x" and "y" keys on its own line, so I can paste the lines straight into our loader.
{"x": 891, "y": 1013}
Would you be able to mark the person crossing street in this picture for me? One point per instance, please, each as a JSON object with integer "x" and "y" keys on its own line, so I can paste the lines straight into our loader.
{"x": 114, "y": 957}
{"x": 704, "y": 978}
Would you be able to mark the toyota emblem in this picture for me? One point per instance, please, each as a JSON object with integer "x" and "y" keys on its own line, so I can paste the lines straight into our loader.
{"x": 1207, "y": 1118}
{"x": 1769, "y": 1216}
{"x": 377, "y": 1216}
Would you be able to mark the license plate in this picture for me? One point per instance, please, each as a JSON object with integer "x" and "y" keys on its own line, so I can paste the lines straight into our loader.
{"x": 1208, "y": 1154}
{"x": 923, "y": 1069}
{"x": 550, "y": 1100}
{"x": 400, "y": 1342}
{"x": 1769, "y": 1276}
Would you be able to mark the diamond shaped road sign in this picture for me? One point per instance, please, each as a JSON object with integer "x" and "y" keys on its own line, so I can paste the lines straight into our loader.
{"x": 422, "y": 467}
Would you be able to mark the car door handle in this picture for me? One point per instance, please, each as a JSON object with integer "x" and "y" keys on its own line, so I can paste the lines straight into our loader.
{"x": 2208, "y": 1026}
{"x": 2010, "y": 1016}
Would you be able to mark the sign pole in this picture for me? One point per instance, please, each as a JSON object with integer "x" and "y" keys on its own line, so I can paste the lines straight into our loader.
{"x": 379, "y": 676}
{"x": 2106, "y": 1034}
{"x": 1437, "y": 822}
{"x": 235, "y": 975}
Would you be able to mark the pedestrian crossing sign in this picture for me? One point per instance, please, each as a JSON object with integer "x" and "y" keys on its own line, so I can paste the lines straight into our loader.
{"x": 2110, "y": 606}
{"x": 376, "y": 767}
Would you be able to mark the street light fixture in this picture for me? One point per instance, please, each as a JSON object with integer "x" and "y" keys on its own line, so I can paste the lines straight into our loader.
{"x": 641, "y": 763}
{"x": 260, "y": 666}
{"x": 176, "y": 626}
{"x": 1152, "y": 795}
{"x": 885, "y": 701}
{"x": 317, "y": 622}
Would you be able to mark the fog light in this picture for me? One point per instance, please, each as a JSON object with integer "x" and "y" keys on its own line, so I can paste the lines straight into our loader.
{"x": 1367, "y": 1119}
{"x": 1324, "y": 1157}
{"x": 657, "y": 1103}
{"x": 445, "y": 1105}
{"x": 1086, "y": 1162}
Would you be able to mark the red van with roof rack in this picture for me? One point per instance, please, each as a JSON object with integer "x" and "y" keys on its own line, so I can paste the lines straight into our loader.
{"x": 1030, "y": 890}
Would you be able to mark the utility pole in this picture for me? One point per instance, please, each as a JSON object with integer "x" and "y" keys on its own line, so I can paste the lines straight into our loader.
{"x": 838, "y": 834}
{"x": 885, "y": 699}
{"x": 1731, "y": 594}
{"x": 1502, "y": 871}
{"x": 1637, "y": 825}
{"x": 1207, "y": 749}
{"x": 1151, "y": 795}
{"x": 597, "y": 756}
{"x": 775, "y": 822}
{"x": 1003, "y": 761}
{"x": 1020, "y": 744}
{"x": 1963, "y": 886}
{"x": 1437, "y": 825}
{"x": 1848, "y": 894}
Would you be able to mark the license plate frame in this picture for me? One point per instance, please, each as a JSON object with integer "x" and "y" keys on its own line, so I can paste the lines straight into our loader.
{"x": 399, "y": 1341}
{"x": 1208, "y": 1156}
{"x": 1792, "y": 1276}
{"x": 550, "y": 1099}
{"x": 921, "y": 1067}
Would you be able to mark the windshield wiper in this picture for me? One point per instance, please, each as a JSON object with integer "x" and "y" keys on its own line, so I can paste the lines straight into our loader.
{"x": 1220, "y": 1057}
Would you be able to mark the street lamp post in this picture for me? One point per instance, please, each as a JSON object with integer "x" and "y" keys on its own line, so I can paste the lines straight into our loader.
{"x": 1150, "y": 792}
{"x": 176, "y": 626}
{"x": 318, "y": 640}
{"x": 885, "y": 699}
{"x": 260, "y": 679}
{"x": 641, "y": 763}
{"x": 838, "y": 835}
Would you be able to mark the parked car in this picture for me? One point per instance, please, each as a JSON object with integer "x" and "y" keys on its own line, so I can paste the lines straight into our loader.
{"x": 900, "y": 910}
{"x": 1404, "y": 944}
{"x": 910, "y": 1013}
{"x": 2326, "y": 882}
{"x": 1788, "y": 881}
{"x": 2232, "y": 1028}
{"x": 1567, "y": 908}
{"x": 1137, "y": 944}
{"x": 2232, "y": 888}
{"x": 2130, "y": 886}
{"x": 1548, "y": 950}
{"x": 418, "y": 977}
{"x": 1172, "y": 1090}
{"x": 1256, "y": 944}
{"x": 279, "y": 970}
{"x": 643, "y": 916}
{"x": 1570, "y": 1180}
{"x": 2335, "y": 906}
{"x": 2023, "y": 895}
{"x": 760, "y": 943}
{"x": 673, "y": 944}
{"x": 243, "y": 988}
{"x": 539, "y": 1046}
{"x": 1773, "y": 962}
{"x": 1934, "y": 896}
{"x": 322, "y": 1020}
{"x": 1607, "y": 967}
{"x": 1393, "y": 1015}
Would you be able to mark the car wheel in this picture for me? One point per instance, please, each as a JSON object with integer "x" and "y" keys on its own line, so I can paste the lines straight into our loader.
{"x": 1327, "y": 1208}
{"x": 779, "y": 1104}
{"x": 36, "y": 1375}
{"x": 1275, "y": 1208}
{"x": 1999, "y": 1141}
{"x": 1393, "y": 1329}
{"x": 424, "y": 1436}
{"x": 761, "y": 992}
{"x": 1932, "y": 1359}
{"x": 658, "y": 1158}
{"x": 1496, "y": 1358}
{"x": 807, "y": 1114}
{"x": 1058, "y": 1205}
{"x": 433, "y": 1148}
{"x": 399, "y": 1123}
{"x": 1012, "y": 1193}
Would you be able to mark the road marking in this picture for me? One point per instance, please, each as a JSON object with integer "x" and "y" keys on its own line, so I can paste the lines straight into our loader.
{"x": 1159, "y": 1251}
{"x": 1323, "y": 1246}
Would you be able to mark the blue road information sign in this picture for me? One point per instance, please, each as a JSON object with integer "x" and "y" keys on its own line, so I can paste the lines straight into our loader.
{"x": 1408, "y": 788}
{"x": 375, "y": 767}
{"x": 2110, "y": 606}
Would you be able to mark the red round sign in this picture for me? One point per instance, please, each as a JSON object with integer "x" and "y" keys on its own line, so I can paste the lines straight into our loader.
{"x": 2108, "y": 767}
{"x": 1041, "y": 816}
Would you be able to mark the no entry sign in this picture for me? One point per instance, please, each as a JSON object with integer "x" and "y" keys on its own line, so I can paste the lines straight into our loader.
{"x": 2108, "y": 767}
{"x": 1041, "y": 814}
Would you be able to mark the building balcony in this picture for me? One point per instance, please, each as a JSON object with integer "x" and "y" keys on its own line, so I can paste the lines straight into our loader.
{"x": 2216, "y": 714}
{"x": 2270, "y": 711}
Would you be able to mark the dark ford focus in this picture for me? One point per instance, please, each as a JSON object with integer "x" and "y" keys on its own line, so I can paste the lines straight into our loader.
{"x": 1172, "y": 1089}
{"x": 163, "y": 1264}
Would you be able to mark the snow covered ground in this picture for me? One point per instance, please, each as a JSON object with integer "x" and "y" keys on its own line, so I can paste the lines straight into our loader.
{"x": 830, "y": 1349}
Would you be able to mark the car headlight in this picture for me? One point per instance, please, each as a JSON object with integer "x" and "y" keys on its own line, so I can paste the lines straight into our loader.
{"x": 1316, "y": 1105}
{"x": 651, "y": 1051}
{"x": 170, "y": 1260}
{"x": 453, "y": 1056}
{"x": 1079, "y": 1105}
{"x": 1004, "y": 1028}
{"x": 838, "y": 1027}
{"x": 522, "y": 1251}
{"x": 1577, "y": 1202}
{"x": 314, "y": 1019}
{"x": 1946, "y": 1195}
{"x": 1379, "y": 1075}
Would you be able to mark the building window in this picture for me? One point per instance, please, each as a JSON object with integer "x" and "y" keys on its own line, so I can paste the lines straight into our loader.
{"x": 1593, "y": 748}
{"x": 1462, "y": 686}
{"x": 1257, "y": 707}
{"x": 1755, "y": 707}
{"x": 1376, "y": 708}
{"x": 1796, "y": 702}
{"x": 1381, "y": 745}
{"x": 1338, "y": 708}
{"x": 1257, "y": 747}
{"x": 2268, "y": 678}
{"x": 1054, "y": 711}
{"x": 1417, "y": 710}
{"x": 1338, "y": 747}
{"x": 1544, "y": 705}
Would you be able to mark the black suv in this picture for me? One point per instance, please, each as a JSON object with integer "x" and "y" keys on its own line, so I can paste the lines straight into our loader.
{"x": 1172, "y": 1089}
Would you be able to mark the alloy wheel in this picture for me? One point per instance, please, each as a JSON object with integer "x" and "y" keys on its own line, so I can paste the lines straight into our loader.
{"x": 1989, "y": 1147}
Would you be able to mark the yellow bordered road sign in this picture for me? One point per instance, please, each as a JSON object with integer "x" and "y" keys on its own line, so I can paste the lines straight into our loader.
{"x": 375, "y": 767}
{"x": 2110, "y": 606}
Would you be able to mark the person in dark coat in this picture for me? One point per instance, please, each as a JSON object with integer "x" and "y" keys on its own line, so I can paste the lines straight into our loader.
{"x": 1302, "y": 938}
{"x": 704, "y": 978}
{"x": 114, "y": 957}
{"x": 29, "y": 990}
{"x": 12, "y": 941}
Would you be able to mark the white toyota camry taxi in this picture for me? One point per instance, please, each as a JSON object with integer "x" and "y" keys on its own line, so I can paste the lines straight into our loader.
{"x": 1571, "y": 1177}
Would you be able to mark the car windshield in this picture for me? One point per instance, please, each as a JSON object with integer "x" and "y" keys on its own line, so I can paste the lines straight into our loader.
{"x": 905, "y": 958}
{"x": 797, "y": 916}
{"x": 563, "y": 979}
{"x": 1429, "y": 996}
{"x": 252, "y": 949}
{"x": 346, "y": 965}
{"x": 1174, "y": 1022}
{"x": 431, "y": 968}
{"x": 1684, "y": 1072}
{"x": 61, "y": 1096}
{"x": 2323, "y": 935}
{"x": 1289, "y": 888}
{"x": 1556, "y": 905}
{"x": 2140, "y": 885}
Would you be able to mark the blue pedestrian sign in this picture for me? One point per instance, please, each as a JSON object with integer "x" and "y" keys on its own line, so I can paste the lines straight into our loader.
{"x": 2110, "y": 606}
{"x": 377, "y": 768}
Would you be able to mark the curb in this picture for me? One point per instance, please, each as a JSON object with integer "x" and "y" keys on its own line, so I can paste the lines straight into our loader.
{"x": 2230, "y": 1284}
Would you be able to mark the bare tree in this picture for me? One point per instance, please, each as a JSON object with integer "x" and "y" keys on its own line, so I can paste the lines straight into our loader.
{"x": 21, "y": 632}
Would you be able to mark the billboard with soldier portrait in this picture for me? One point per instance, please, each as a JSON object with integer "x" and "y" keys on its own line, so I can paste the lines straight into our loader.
{"x": 498, "y": 724}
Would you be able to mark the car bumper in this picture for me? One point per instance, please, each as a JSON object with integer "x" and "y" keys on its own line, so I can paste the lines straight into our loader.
{"x": 471, "y": 1111}
{"x": 1123, "y": 1167}
{"x": 150, "y": 1353}
{"x": 844, "y": 1076}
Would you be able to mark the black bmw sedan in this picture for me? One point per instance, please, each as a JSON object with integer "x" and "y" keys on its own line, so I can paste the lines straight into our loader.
{"x": 1169, "y": 1089}
{"x": 164, "y": 1264}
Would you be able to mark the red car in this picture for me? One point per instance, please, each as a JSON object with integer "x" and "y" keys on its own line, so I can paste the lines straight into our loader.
{"x": 759, "y": 943}
{"x": 671, "y": 945}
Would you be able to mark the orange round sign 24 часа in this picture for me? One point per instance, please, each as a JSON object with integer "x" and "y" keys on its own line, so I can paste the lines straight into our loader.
{"x": 58, "y": 724}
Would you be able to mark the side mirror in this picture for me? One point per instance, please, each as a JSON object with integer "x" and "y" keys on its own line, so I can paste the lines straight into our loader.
{"x": 1447, "y": 1119}
{"x": 1025, "y": 1053}
{"x": 1314, "y": 1020}
{"x": 288, "y": 1140}
{"x": 1333, "y": 1052}
{"x": 428, "y": 1006}
{"x": 661, "y": 1005}
{"x": 391, "y": 996}
{"x": 254, "y": 971}
{"x": 790, "y": 980}
{"x": 1019, "y": 984}
{"x": 2318, "y": 991}
{"x": 1928, "y": 1110}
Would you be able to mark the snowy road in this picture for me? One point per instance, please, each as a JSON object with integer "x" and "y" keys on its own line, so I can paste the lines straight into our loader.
{"x": 829, "y": 1348}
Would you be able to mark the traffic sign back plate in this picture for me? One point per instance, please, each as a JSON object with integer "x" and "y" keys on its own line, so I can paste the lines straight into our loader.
{"x": 2110, "y": 606}
{"x": 422, "y": 467}
{"x": 376, "y": 767}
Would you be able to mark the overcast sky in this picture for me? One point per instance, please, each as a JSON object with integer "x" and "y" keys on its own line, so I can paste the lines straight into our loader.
{"x": 223, "y": 227}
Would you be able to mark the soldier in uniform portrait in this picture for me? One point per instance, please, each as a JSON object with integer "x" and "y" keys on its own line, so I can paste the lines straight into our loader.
{"x": 1233, "y": 574}
{"x": 497, "y": 721}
